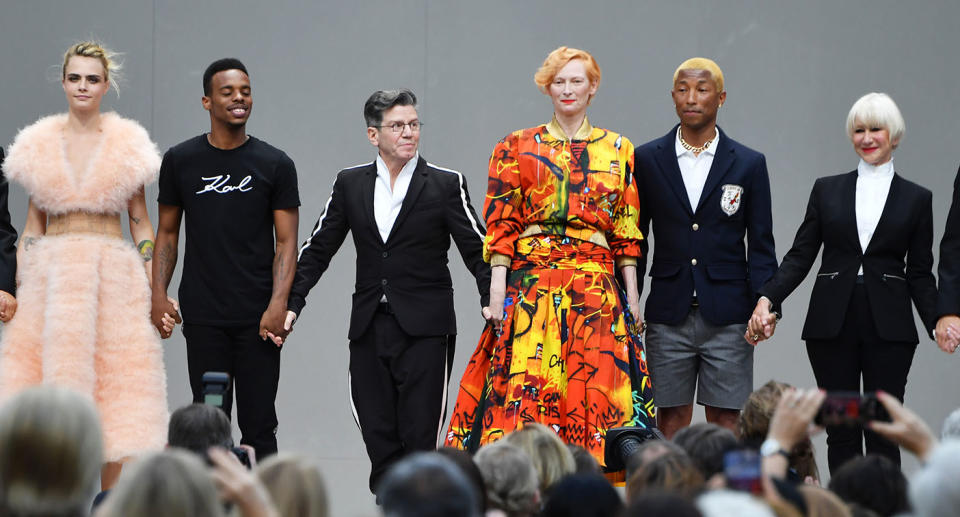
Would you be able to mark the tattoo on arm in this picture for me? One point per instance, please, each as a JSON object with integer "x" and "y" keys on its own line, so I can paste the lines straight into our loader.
{"x": 146, "y": 250}
{"x": 136, "y": 220}
{"x": 28, "y": 242}
{"x": 167, "y": 258}
{"x": 279, "y": 271}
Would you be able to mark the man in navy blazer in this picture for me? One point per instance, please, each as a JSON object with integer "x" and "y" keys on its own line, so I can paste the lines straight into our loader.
{"x": 704, "y": 193}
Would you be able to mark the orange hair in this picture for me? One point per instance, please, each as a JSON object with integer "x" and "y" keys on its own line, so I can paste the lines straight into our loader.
{"x": 559, "y": 59}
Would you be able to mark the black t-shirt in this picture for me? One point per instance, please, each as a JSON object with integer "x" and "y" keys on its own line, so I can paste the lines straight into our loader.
{"x": 228, "y": 198}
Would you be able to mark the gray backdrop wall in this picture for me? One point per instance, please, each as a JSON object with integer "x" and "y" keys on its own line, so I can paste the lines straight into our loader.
{"x": 792, "y": 71}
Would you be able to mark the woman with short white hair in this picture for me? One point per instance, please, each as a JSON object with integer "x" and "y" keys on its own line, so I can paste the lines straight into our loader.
{"x": 876, "y": 230}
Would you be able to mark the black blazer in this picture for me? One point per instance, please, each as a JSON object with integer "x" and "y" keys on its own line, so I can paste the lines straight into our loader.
{"x": 8, "y": 240}
{"x": 702, "y": 247}
{"x": 411, "y": 267}
{"x": 949, "y": 269}
{"x": 896, "y": 265}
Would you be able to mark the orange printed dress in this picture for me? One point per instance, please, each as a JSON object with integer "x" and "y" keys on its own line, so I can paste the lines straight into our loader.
{"x": 561, "y": 214}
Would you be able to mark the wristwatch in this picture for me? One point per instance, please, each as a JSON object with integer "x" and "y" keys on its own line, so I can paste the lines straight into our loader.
{"x": 769, "y": 447}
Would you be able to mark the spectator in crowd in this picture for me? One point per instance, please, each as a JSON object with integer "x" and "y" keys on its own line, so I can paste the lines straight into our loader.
{"x": 673, "y": 472}
{"x": 724, "y": 503}
{"x": 295, "y": 485}
{"x": 934, "y": 491}
{"x": 649, "y": 451}
{"x": 821, "y": 502}
{"x": 754, "y": 423}
{"x": 549, "y": 454}
{"x": 584, "y": 462}
{"x": 197, "y": 427}
{"x": 468, "y": 466}
{"x": 51, "y": 452}
{"x": 951, "y": 426}
{"x": 426, "y": 484}
{"x": 661, "y": 504}
{"x": 510, "y": 478}
{"x": 873, "y": 482}
{"x": 706, "y": 444}
{"x": 172, "y": 482}
{"x": 583, "y": 495}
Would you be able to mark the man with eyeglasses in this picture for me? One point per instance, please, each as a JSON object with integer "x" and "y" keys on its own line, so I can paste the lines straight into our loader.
{"x": 401, "y": 211}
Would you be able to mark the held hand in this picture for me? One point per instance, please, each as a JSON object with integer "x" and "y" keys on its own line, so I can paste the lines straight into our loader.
{"x": 634, "y": 307}
{"x": 762, "y": 323}
{"x": 291, "y": 319}
{"x": 162, "y": 312}
{"x": 493, "y": 312}
{"x": 273, "y": 324}
{"x": 948, "y": 333}
{"x": 905, "y": 429}
{"x": 8, "y": 306}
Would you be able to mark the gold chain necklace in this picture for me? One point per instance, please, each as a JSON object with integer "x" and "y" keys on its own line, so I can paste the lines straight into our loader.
{"x": 694, "y": 149}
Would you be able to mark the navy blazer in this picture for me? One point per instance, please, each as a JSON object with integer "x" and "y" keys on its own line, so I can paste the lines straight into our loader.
{"x": 701, "y": 249}
{"x": 897, "y": 264}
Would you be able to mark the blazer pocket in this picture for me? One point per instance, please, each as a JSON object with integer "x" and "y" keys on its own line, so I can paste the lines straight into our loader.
{"x": 727, "y": 271}
{"x": 828, "y": 276}
{"x": 665, "y": 269}
{"x": 889, "y": 276}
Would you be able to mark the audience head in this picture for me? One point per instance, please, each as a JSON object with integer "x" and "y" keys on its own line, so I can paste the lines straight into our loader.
{"x": 934, "y": 491}
{"x": 673, "y": 472}
{"x": 198, "y": 427}
{"x": 754, "y": 423}
{"x": 661, "y": 504}
{"x": 951, "y": 426}
{"x": 822, "y": 502}
{"x": 583, "y": 461}
{"x": 295, "y": 485}
{"x": 583, "y": 495}
{"x": 468, "y": 466}
{"x": 706, "y": 444}
{"x": 511, "y": 481}
{"x": 51, "y": 452}
{"x": 873, "y": 482}
{"x": 724, "y": 503}
{"x": 649, "y": 451}
{"x": 172, "y": 482}
{"x": 426, "y": 484}
{"x": 549, "y": 454}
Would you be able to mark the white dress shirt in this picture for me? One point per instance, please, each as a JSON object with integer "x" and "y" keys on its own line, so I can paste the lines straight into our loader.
{"x": 386, "y": 200}
{"x": 694, "y": 169}
{"x": 873, "y": 185}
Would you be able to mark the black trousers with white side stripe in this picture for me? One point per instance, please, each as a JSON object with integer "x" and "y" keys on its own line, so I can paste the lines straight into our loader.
{"x": 398, "y": 388}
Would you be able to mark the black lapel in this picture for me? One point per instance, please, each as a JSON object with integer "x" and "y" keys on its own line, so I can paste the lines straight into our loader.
{"x": 889, "y": 206}
{"x": 666, "y": 157}
{"x": 722, "y": 161}
{"x": 413, "y": 192}
{"x": 368, "y": 185}
{"x": 848, "y": 201}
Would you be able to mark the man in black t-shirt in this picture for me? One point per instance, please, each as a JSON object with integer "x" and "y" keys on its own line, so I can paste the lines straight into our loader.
{"x": 235, "y": 191}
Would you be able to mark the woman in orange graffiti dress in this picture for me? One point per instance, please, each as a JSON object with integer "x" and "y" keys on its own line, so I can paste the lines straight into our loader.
{"x": 563, "y": 347}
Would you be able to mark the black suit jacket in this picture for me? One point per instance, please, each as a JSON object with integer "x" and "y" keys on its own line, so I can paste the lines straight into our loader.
{"x": 949, "y": 269}
{"x": 702, "y": 247}
{"x": 411, "y": 267}
{"x": 897, "y": 263}
{"x": 8, "y": 240}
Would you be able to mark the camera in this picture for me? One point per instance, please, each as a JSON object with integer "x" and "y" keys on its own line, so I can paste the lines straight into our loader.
{"x": 622, "y": 442}
{"x": 850, "y": 408}
{"x": 215, "y": 386}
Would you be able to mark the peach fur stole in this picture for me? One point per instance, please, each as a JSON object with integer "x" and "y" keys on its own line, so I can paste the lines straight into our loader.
{"x": 124, "y": 161}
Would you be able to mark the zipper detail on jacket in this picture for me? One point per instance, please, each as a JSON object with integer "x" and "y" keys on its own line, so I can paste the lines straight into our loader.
{"x": 886, "y": 276}
{"x": 831, "y": 275}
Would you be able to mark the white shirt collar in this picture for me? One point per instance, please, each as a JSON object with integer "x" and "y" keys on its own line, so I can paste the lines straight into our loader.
{"x": 384, "y": 172}
{"x": 711, "y": 149}
{"x": 865, "y": 170}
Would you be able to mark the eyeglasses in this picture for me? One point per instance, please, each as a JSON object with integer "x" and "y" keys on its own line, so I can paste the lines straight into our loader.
{"x": 397, "y": 127}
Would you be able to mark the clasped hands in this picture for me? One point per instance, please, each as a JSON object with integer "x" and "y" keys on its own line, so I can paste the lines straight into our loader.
{"x": 762, "y": 324}
{"x": 8, "y": 306}
{"x": 948, "y": 333}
